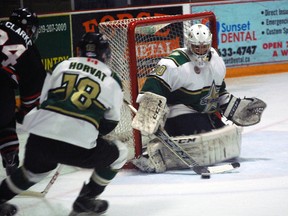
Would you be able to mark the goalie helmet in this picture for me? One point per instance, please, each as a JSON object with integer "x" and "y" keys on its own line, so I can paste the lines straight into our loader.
{"x": 94, "y": 45}
{"x": 27, "y": 20}
{"x": 198, "y": 41}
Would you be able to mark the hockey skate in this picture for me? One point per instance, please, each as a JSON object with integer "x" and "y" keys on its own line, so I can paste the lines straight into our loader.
{"x": 151, "y": 161}
{"x": 10, "y": 162}
{"x": 7, "y": 209}
{"x": 87, "y": 205}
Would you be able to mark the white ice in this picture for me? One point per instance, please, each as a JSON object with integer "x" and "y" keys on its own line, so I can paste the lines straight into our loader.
{"x": 258, "y": 188}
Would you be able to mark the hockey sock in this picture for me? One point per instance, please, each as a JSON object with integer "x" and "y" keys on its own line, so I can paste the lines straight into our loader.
{"x": 100, "y": 179}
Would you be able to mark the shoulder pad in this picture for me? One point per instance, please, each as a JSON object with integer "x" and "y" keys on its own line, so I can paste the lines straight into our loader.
{"x": 179, "y": 57}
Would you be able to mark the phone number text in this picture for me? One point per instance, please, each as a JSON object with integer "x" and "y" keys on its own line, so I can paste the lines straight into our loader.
{"x": 48, "y": 28}
{"x": 244, "y": 50}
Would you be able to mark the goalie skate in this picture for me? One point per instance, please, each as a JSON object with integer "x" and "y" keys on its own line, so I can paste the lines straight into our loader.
{"x": 144, "y": 164}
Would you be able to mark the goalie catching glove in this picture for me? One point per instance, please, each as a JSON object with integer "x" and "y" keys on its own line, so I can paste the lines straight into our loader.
{"x": 151, "y": 113}
{"x": 244, "y": 112}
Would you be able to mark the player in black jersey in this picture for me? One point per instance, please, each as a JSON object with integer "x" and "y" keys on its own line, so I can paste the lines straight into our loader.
{"x": 20, "y": 68}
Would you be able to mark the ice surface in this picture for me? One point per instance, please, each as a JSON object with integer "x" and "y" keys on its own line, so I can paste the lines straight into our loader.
{"x": 258, "y": 188}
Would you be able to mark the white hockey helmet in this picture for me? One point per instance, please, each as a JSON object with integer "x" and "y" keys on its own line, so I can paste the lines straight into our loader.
{"x": 198, "y": 41}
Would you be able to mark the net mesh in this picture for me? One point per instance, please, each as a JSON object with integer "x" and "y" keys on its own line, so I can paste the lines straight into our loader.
{"x": 152, "y": 39}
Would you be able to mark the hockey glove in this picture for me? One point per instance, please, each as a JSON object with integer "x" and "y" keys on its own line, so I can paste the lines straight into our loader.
{"x": 244, "y": 112}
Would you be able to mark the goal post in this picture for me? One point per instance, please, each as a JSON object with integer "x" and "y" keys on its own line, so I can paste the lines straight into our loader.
{"x": 137, "y": 45}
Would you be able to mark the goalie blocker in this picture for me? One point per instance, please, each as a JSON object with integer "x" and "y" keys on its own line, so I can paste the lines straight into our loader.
{"x": 151, "y": 113}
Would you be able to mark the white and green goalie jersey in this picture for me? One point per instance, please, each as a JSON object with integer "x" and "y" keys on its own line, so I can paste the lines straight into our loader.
{"x": 188, "y": 88}
{"x": 80, "y": 98}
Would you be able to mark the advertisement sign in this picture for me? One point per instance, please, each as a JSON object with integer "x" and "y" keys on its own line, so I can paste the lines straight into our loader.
{"x": 251, "y": 33}
{"x": 88, "y": 22}
{"x": 54, "y": 41}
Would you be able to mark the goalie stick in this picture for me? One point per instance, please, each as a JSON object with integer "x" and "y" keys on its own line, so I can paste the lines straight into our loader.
{"x": 205, "y": 171}
{"x": 47, "y": 188}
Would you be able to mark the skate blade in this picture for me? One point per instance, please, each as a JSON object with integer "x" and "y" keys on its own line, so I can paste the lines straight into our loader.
{"x": 73, "y": 213}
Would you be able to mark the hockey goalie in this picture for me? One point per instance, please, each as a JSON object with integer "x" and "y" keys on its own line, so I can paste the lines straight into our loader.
{"x": 186, "y": 97}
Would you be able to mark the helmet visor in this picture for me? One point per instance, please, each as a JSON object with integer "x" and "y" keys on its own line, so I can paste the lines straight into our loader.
{"x": 33, "y": 32}
{"x": 201, "y": 49}
{"x": 90, "y": 50}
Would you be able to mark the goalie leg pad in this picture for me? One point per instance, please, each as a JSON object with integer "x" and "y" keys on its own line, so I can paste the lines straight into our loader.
{"x": 213, "y": 147}
{"x": 162, "y": 157}
{"x": 144, "y": 164}
{"x": 206, "y": 149}
{"x": 155, "y": 156}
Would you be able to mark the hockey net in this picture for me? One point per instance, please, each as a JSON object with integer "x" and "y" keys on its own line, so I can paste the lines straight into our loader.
{"x": 136, "y": 46}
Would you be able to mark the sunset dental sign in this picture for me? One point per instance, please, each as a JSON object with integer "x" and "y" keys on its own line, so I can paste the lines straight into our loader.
{"x": 237, "y": 32}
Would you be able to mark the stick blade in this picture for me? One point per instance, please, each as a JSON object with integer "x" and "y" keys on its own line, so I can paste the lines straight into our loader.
{"x": 200, "y": 170}
{"x": 223, "y": 168}
{"x": 33, "y": 194}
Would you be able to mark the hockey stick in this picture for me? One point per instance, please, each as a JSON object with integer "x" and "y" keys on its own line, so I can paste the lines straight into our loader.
{"x": 205, "y": 171}
{"x": 47, "y": 188}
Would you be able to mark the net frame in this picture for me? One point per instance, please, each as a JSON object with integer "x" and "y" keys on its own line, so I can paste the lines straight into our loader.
{"x": 130, "y": 26}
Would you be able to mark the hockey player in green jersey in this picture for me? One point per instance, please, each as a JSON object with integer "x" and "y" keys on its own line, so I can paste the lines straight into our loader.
{"x": 79, "y": 104}
{"x": 190, "y": 82}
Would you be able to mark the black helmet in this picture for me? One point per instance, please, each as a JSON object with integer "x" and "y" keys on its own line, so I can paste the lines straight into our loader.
{"x": 94, "y": 45}
{"x": 27, "y": 20}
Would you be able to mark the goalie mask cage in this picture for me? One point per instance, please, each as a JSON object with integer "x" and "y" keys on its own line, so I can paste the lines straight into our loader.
{"x": 137, "y": 45}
